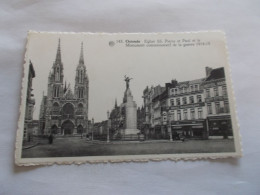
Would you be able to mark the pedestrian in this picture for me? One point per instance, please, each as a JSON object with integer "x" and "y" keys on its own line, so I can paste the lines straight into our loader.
{"x": 50, "y": 138}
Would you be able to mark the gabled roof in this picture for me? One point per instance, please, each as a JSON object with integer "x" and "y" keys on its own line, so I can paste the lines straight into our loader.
{"x": 217, "y": 73}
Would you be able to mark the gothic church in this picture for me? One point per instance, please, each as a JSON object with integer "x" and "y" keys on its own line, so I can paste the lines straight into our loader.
{"x": 63, "y": 111}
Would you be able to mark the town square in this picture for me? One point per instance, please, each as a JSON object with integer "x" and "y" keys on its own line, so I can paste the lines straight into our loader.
{"x": 63, "y": 117}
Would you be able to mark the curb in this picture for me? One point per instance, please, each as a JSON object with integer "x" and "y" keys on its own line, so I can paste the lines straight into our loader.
{"x": 28, "y": 147}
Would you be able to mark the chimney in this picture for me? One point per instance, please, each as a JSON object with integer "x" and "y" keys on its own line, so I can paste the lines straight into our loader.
{"x": 208, "y": 71}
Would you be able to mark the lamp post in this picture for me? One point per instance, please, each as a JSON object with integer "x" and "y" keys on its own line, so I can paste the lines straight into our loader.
{"x": 92, "y": 136}
{"x": 108, "y": 124}
{"x": 169, "y": 125}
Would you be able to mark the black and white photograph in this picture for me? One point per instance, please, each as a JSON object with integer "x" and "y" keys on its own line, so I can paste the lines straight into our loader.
{"x": 98, "y": 97}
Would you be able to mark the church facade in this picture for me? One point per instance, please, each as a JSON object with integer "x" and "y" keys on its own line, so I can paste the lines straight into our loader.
{"x": 65, "y": 111}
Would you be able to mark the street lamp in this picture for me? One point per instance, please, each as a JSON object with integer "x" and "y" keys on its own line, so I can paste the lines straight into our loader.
{"x": 169, "y": 125}
{"x": 108, "y": 126}
{"x": 92, "y": 137}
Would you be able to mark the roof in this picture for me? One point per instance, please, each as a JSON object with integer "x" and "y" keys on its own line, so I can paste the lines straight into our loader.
{"x": 32, "y": 69}
{"x": 217, "y": 73}
{"x": 185, "y": 84}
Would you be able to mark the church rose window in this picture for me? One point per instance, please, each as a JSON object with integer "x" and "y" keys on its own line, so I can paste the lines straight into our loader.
{"x": 68, "y": 110}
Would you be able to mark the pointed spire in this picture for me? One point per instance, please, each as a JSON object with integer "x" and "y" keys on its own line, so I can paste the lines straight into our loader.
{"x": 116, "y": 103}
{"x": 58, "y": 55}
{"x": 65, "y": 88}
{"x": 81, "y": 59}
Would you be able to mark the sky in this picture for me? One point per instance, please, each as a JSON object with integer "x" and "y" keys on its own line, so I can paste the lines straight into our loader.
{"x": 106, "y": 65}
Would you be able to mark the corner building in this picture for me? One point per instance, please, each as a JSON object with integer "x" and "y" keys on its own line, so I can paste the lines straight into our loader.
{"x": 67, "y": 111}
{"x": 186, "y": 109}
{"x": 217, "y": 104}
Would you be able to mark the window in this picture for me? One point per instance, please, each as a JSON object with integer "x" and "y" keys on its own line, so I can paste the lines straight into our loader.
{"x": 57, "y": 74}
{"x": 196, "y": 87}
{"x": 199, "y": 99}
{"x": 185, "y": 115}
{"x": 191, "y": 88}
{"x": 179, "y": 115}
{"x": 172, "y": 116}
{"x": 80, "y": 76}
{"x": 178, "y": 101}
{"x": 184, "y": 100}
{"x": 207, "y": 93}
{"x": 24, "y": 133}
{"x": 175, "y": 91}
{"x": 172, "y": 102}
{"x": 68, "y": 110}
{"x": 184, "y": 90}
{"x": 224, "y": 90}
{"x": 191, "y": 99}
{"x": 226, "y": 107}
{"x": 80, "y": 93}
{"x": 55, "y": 108}
{"x": 80, "y": 108}
{"x": 56, "y": 91}
{"x": 209, "y": 108}
{"x": 200, "y": 113}
{"x": 192, "y": 114}
{"x": 216, "y": 91}
{"x": 217, "y": 107}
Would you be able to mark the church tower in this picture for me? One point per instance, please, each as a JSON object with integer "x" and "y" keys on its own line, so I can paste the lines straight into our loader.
{"x": 55, "y": 80}
{"x": 81, "y": 89}
{"x": 67, "y": 112}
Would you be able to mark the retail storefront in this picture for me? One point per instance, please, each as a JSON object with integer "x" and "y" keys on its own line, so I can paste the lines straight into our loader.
{"x": 220, "y": 126}
{"x": 190, "y": 129}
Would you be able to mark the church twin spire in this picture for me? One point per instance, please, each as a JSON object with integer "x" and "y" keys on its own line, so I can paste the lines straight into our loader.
{"x": 58, "y": 54}
{"x": 81, "y": 58}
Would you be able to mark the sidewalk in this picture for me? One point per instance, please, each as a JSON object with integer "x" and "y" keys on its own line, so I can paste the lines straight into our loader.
{"x": 27, "y": 145}
{"x": 33, "y": 143}
{"x": 131, "y": 142}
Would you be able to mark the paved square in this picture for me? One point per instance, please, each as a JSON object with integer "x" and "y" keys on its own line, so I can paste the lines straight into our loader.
{"x": 75, "y": 146}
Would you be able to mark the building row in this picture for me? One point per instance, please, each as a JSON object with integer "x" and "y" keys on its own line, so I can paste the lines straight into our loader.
{"x": 195, "y": 109}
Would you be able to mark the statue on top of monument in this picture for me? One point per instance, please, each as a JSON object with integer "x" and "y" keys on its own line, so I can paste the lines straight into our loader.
{"x": 127, "y": 80}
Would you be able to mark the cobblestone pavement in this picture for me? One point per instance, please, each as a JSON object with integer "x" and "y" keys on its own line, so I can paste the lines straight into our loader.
{"x": 75, "y": 146}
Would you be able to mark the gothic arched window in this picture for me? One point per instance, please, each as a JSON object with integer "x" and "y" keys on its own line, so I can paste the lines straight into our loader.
{"x": 57, "y": 74}
{"x": 56, "y": 91}
{"x": 80, "y": 108}
{"x": 80, "y": 93}
{"x": 55, "y": 108}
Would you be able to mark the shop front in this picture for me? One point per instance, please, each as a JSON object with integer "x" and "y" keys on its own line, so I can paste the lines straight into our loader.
{"x": 220, "y": 126}
{"x": 192, "y": 129}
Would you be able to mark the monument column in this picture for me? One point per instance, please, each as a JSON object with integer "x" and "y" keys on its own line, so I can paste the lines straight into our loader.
{"x": 130, "y": 113}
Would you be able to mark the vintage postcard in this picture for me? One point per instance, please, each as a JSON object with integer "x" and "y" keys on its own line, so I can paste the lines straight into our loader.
{"x": 100, "y": 97}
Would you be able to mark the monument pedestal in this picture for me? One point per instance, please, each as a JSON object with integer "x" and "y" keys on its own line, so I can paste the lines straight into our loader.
{"x": 130, "y": 132}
